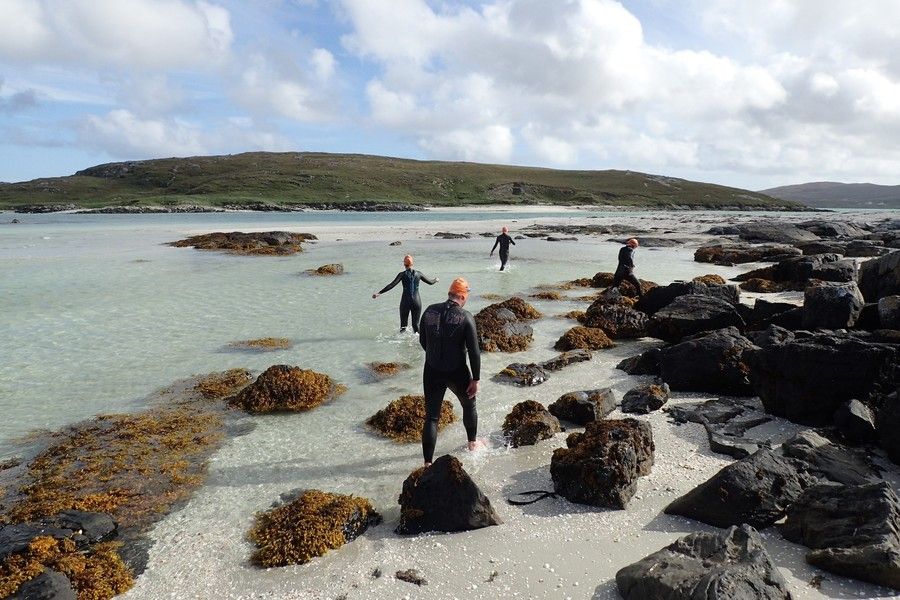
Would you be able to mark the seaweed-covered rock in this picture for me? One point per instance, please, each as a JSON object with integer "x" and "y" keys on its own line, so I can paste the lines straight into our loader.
{"x": 548, "y": 295}
{"x": 708, "y": 363}
{"x": 601, "y": 466}
{"x": 662, "y": 296}
{"x": 560, "y": 361}
{"x": 764, "y": 286}
{"x": 222, "y": 384}
{"x": 723, "y": 565}
{"x": 616, "y": 321}
{"x": 692, "y": 314}
{"x": 528, "y": 423}
{"x": 605, "y": 279}
{"x": 645, "y": 363}
{"x": 805, "y": 379}
{"x": 315, "y": 522}
{"x": 282, "y": 388}
{"x": 403, "y": 418}
{"x": 880, "y": 277}
{"x": 756, "y": 490}
{"x": 828, "y": 305}
{"x": 645, "y": 398}
{"x": 587, "y": 338}
{"x": 522, "y": 374}
{"x": 329, "y": 269}
{"x": 503, "y": 326}
{"x": 855, "y": 422}
{"x": 267, "y": 344}
{"x": 443, "y": 497}
{"x": 709, "y": 279}
{"x": 737, "y": 253}
{"x": 585, "y": 406}
{"x": 277, "y": 243}
{"x": 851, "y": 529}
{"x": 382, "y": 370}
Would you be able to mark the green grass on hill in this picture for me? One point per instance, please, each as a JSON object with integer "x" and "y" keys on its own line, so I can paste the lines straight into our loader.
{"x": 293, "y": 178}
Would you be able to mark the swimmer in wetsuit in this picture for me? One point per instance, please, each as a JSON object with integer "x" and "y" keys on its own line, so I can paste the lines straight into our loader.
{"x": 503, "y": 240}
{"x": 448, "y": 335}
{"x": 625, "y": 270}
{"x": 409, "y": 300}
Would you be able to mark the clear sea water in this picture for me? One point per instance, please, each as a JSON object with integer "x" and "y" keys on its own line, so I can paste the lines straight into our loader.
{"x": 96, "y": 313}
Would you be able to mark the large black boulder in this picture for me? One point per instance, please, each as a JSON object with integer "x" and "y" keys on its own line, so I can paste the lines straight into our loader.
{"x": 807, "y": 378}
{"x": 443, "y": 497}
{"x": 661, "y": 296}
{"x": 711, "y": 362}
{"x": 828, "y": 305}
{"x": 692, "y": 314}
{"x": 756, "y": 490}
{"x": 723, "y": 565}
{"x": 880, "y": 277}
{"x": 585, "y": 406}
{"x": 601, "y": 466}
{"x": 645, "y": 363}
{"x": 852, "y": 530}
{"x": 617, "y": 321}
{"x": 826, "y": 460}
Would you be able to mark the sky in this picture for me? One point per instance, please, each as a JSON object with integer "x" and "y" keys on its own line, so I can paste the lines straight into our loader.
{"x": 743, "y": 93}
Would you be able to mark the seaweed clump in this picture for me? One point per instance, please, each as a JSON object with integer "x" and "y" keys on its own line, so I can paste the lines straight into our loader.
{"x": 282, "y": 388}
{"x": 577, "y": 315}
{"x": 710, "y": 279}
{"x": 310, "y": 526}
{"x": 402, "y": 419}
{"x": 330, "y": 269}
{"x": 387, "y": 369}
{"x": 277, "y": 243}
{"x": 97, "y": 574}
{"x": 267, "y": 344}
{"x": 220, "y": 385}
{"x": 548, "y": 295}
{"x": 587, "y": 338}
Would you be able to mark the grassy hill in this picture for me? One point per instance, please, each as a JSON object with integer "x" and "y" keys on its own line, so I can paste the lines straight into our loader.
{"x": 298, "y": 178}
{"x": 830, "y": 194}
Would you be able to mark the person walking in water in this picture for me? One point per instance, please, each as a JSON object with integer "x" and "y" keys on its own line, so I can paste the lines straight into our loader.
{"x": 625, "y": 270}
{"x": 503, "y": 240}
{"x": 448, "y": 335}
{"x": 409, "y": 300}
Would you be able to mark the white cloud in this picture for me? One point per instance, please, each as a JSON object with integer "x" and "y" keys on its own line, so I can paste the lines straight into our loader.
{"x": 125, "y": 34}
{"x": 489, "y": 144}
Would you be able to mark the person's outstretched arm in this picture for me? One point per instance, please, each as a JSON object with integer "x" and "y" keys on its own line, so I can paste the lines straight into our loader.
{"x": 511, "y": 241}
{"x": 427, "y": 279}
{"x": 497, "y": 241}
{"x": 390, "y": 285}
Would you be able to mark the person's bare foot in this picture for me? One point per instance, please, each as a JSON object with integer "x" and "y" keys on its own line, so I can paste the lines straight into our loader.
{"x": 427, "y": 465}
{"x": 476, "y": 445}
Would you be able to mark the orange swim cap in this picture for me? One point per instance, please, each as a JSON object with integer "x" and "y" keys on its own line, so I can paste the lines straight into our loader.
{"x": 408, "y": 260}
{"x": 632, "y": 242}
{"x": 504, "y": 229}
{"x": 459, "y": 287}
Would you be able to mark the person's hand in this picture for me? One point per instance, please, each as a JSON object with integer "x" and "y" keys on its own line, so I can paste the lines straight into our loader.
{"x": 473, "y": 388}
{"x": 374, "y": 296}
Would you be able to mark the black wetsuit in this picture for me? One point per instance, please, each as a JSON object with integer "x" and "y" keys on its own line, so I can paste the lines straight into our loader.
{"x": 447, "y": 335}
{"x": 625, "y": 270}
{"x": 409, "y": 301}
{"x": 504, "y": 241}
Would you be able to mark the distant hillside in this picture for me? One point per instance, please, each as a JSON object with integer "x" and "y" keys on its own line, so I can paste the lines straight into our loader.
{"x": 290, "y": 179}
{"x": 830, "y": 194}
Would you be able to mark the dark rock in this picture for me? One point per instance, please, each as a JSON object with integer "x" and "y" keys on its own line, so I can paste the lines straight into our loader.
{"x": 652, "y": 242}
{"x": 888, "y": 424}
{"x": 721, "y": 441}
{"x": 692, "y": 314}
{"x": 805, "y": 379}
{"x": 604, "y": 279}
{"x": 443, "y": 497}
{"x": 601, "y": 466}
{"x": 565, "y": 359}
{"x": 504, "y": 326}
{"x": 528, "y": 423}
{"x": 660, "y": 297}
{"x": 411, "y": 576}
{"x": 645, "y": 398}
{"x": 446, "y": 235}
{"x": 889, "y": 312}
{"x": 755, "y": 490}
{"x": 880, "y": 277}
{"x": 832, "y": 229}
{"x": 708, "y": 363}
{"x": 829, "y": 305}
{"x": 617, "y": 321}
{"x": 522, "y": 374}
{"x": 773, "y": 231}
{"x": 645, "y": 363}
{"x": 49, "y": 585}
{"x": 584, "y": 406}
{"x": 397, "y": 243}
{"x": 258, "y": 243}
{"x": 741, "y": 252}
{"x": 15, "y": 538}
{"x": 724, "y": 429}
{"x": 718, "y": 411}
{"x": 864, "y": 249}
{"x": 763, "y": 310}
{"x": 851, "y": 529}
{"x": 796, "y": 271}
{"x": 551, "y": 238}
{"x": 855, "y": 422}
{"x": 826, "y": 460}
{"x": 724, "y": 565}
{"x": 94, "y": 527}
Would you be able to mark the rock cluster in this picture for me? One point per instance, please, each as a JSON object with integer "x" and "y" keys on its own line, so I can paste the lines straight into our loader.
{"x": 257, "y": 243}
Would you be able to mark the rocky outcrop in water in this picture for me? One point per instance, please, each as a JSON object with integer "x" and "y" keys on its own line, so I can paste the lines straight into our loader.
{"x": 828, "y": 305}
{"x": 587, "y": 338}
{"x": 692, "y": 314}
{"x": 742, "y": 252}
{"x": 725, "y": 565}
{"x": 443, "y": 497}
{"x": 618, "y": 322}
{"x": 766, "y": 231}
{"x": 583, "y": 407}
{"x": 522, "y": 374}
{"x": 278, "y": 243}
{"x": 330, "y": 269}
{"x": 282, "y": 388}
{"x": 503, "y": 327}
{"x": 601, "y": 466}
{"x": 528, "y": 423}
{"x": 662, "y": 296}
{"x": 710, "y": 362}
